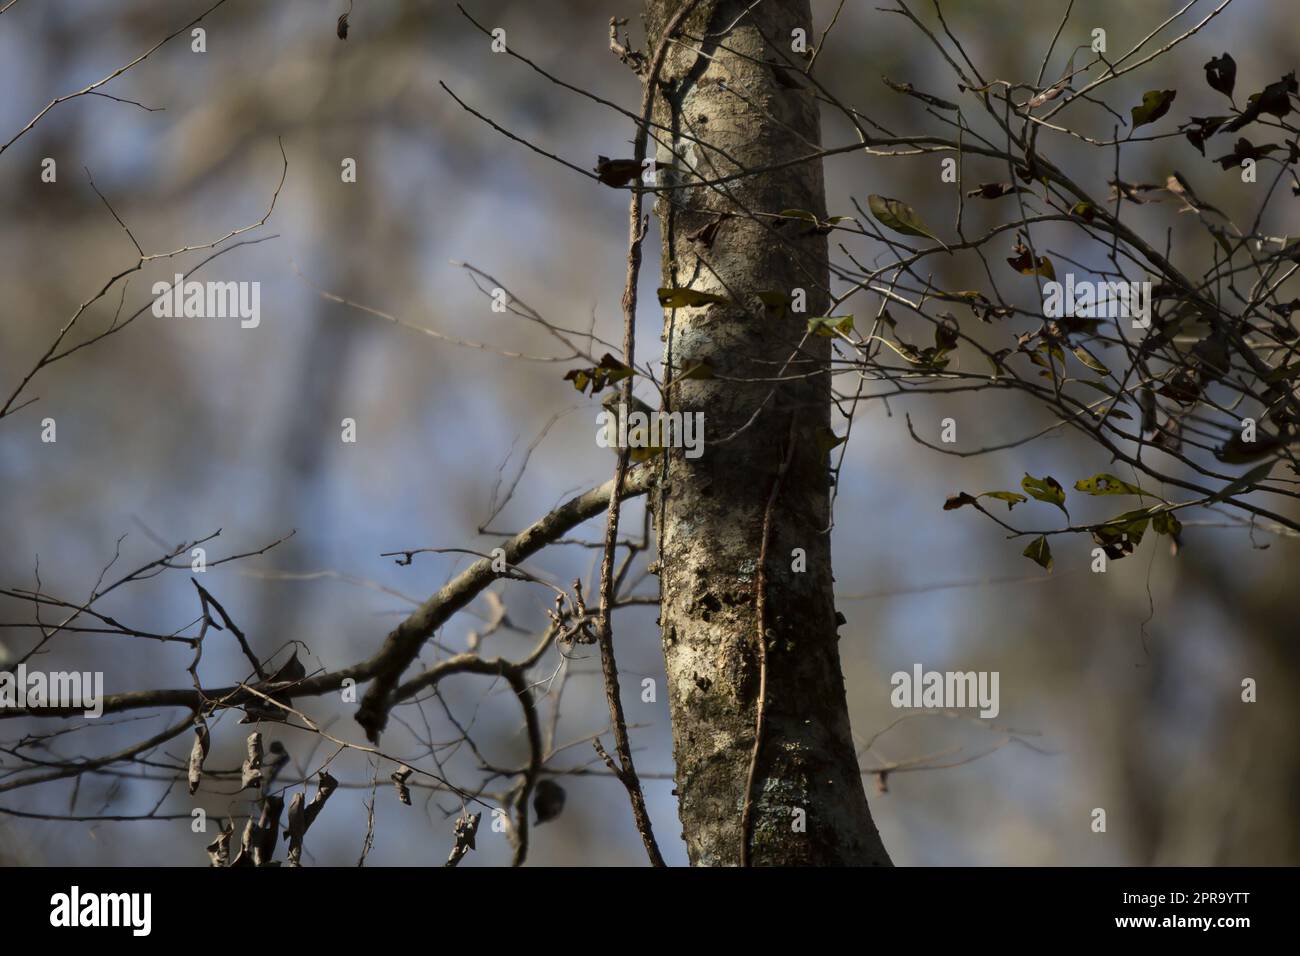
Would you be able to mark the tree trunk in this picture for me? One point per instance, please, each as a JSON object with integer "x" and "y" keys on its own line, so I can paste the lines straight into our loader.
{"x": 808, "y": 802}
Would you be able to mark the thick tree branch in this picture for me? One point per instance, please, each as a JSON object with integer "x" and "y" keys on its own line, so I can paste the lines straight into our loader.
{"x": 403, "y": 643}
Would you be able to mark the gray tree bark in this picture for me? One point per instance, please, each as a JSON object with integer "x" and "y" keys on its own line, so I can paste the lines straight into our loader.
{"x": 809, "y": 807}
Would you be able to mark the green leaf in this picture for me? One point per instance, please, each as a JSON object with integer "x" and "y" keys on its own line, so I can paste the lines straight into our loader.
{"x": 962, "y": 498}
{"x": 826, "y": 326}
{"x": 819, "y": 227}
{"x": 1010, "y": 497}
{"x": 1040, "y": 552}
{"x": 1155, "y": 104}
{"x": 930, "y": 359}
{"x": 1244, "y": 482}
{"x": 688, "y": 298}
{"x": 798, "y": 214}
{"x": 1086, "y": 357}
{"x": 1164, "y": 522}
{"x": 1122, "y": 534}
{"x": 700, "y": 370}
{"x": 900, "y": 217}
{"x": 1110, "y": 411}
{"x": 1105, "y": 484}
{"x": 1046, "y": 489}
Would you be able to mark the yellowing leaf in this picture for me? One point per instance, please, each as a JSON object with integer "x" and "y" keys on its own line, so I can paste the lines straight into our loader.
{"x": 609, "y": 371}
{"x": 826, "y": 326}
{"x": 1046, "y": 489}
{"x": 900, "y": 217}
{"x": 1010, "y": 497}
{"x": 1023, "y": 262}
{"x": 929, "y": 358}
{"x": 962, "y": 498}
{"x": 1121, "y": 535}
{"x": 1104, "y": 484}
{"x": 1086, "y": 357}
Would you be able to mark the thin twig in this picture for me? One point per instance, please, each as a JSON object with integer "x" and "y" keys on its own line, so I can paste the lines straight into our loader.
{"x": 760, "y": 614}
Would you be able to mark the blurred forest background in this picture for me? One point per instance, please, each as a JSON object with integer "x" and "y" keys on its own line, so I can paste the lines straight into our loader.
{"x": 175, "y": 428}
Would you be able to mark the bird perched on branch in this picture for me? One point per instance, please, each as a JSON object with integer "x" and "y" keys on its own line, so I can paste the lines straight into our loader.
{"x": 615, "y": 398}
{"x": 633, "y": 424}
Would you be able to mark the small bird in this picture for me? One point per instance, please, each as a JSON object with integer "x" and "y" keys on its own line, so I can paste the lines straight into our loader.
{"x": 643, "y": 436}
{"x": 615, "y": 398}
{"x": 548, "y": 800}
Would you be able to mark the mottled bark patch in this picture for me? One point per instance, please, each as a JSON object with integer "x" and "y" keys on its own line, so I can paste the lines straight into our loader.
{"x": 709, "y": 511}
